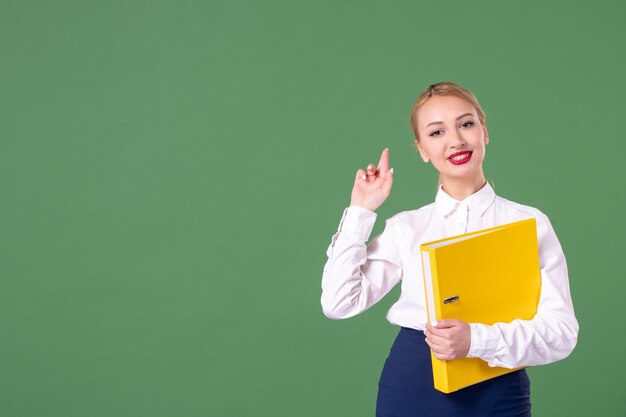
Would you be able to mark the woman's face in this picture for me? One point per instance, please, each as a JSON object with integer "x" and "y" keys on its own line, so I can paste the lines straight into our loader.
{"x": 452, "y": 137}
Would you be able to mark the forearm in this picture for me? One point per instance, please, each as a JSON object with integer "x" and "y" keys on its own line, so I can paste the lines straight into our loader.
{"x": 354, "y": 277}
{"x": 542, "y": 340}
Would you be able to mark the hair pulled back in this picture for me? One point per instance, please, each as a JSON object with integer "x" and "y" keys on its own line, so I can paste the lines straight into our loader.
{"x": 445, "y": 88}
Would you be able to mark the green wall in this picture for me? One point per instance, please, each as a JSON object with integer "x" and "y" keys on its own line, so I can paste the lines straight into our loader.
{"x": 171, "y": 174}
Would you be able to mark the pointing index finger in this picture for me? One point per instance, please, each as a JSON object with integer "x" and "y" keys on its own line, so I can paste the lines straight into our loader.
{"x": 383, "y": 165}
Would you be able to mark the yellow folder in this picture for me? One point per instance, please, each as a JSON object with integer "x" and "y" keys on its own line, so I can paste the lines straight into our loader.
{"x": 488, "y": 276}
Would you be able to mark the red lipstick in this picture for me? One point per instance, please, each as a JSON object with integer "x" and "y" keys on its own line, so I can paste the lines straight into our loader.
{"x": 460, "y": 158}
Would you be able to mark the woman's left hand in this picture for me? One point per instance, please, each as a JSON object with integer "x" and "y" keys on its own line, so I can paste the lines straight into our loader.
{"x": 449, "y": 339}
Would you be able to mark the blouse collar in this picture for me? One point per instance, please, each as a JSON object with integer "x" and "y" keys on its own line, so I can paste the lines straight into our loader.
{"x": 477, "y": 203}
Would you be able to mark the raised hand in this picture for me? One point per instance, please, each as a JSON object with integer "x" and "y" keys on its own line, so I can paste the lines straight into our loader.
{"x": 372, "y": 188}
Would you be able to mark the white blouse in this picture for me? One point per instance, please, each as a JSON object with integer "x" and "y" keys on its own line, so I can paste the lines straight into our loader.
{"x": 356, "y": 275}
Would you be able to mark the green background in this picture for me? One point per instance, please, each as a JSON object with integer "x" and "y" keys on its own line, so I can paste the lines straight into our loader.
{"x": 171, "y": 174}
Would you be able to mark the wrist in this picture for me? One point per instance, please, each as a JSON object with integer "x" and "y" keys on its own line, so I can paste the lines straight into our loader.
{"x": 363, "y": 206}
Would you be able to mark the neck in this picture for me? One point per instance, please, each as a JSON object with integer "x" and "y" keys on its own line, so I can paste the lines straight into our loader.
{"x": 461, "y": 188}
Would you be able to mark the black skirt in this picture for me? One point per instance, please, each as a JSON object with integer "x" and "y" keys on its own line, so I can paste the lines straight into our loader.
{"x": 406, "y": 387}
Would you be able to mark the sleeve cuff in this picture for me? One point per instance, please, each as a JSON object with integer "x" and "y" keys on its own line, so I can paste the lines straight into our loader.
{"x": 484, "y": 341}
{"x": 358, "y": 221}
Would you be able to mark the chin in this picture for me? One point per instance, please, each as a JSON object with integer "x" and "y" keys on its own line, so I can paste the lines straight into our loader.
{"x": 469, "y": 175}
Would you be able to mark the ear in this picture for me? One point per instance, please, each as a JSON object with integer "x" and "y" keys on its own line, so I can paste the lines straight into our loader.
{"x": 425, "y": 157}
{"x": 486, "y": 135}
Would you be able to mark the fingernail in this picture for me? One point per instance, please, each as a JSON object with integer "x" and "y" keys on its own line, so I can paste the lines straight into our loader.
{"x": 363, "y": 177}
{"x": 434, "y": 323}
{"x": 391, "y": 170}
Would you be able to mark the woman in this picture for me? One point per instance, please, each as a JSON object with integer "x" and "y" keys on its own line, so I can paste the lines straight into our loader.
{"x": 451, "y": 134}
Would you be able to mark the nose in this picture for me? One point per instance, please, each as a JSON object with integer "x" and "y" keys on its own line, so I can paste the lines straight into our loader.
{"x": 456, "y": 139}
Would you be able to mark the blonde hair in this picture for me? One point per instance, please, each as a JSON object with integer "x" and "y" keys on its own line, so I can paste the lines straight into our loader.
{"x": 444, "y": 89}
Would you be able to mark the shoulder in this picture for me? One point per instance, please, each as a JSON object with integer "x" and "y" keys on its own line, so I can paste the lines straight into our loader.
{"x": 411, "y": 221}
{"x": 513, "y": 211}
{"x": 412, "y": 216}
{"x": 522, "y": 210}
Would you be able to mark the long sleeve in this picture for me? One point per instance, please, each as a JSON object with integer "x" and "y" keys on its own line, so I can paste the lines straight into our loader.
{"x": 552, "y": 334}
{"x": 356, "y": 276}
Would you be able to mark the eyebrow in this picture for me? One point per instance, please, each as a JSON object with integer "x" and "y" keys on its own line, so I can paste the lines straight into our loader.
{"x": 463, "y": 115}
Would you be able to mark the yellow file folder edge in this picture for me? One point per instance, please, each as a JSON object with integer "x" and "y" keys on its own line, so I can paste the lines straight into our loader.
{"x": 431, "y": 290}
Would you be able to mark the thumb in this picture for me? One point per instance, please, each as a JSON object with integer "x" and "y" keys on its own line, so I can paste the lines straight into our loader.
{"x": 445, "y": 324}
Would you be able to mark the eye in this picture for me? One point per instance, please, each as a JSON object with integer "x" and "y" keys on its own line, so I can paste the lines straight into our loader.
{"x": 436, "y": 133}
{"x": 467, "y": 124}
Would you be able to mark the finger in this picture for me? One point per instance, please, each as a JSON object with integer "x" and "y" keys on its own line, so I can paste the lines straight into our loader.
{"x": 428, "y": 329}
{"x": 437, "y": 339}
{"x": 438, "y": 342}
{"x": 445, "y": 333}
{"x": 442, "y": 356}
{"x": 445, "y": 324}
{"x": 437, "y": 350}
{"x": 383, "y": 164}
{"x": 432, "y": 327}
{"x": 371, "y": 171}
{"x": 384, "y": 180}
{"x": 360, "y": 175}
{"x": 388, "y": 182}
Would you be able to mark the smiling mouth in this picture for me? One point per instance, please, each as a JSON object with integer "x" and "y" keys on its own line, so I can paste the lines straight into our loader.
{"x": 460, "y": 158}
